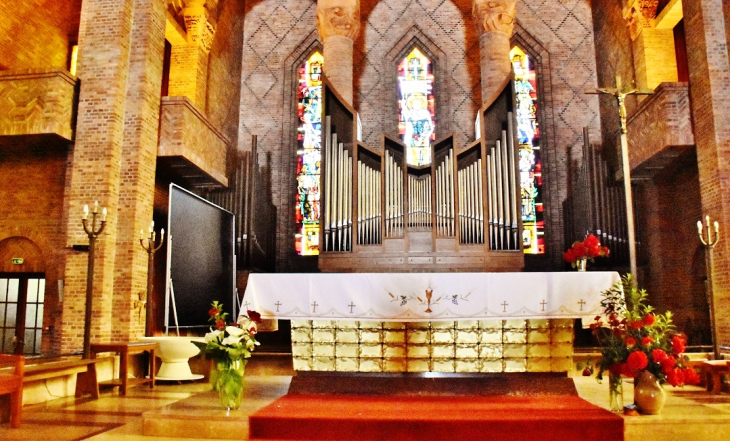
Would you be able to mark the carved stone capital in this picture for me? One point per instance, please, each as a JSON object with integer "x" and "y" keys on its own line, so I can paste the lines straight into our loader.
{"x": 338, "y": 17}
{"x": 494, "y": 15}
{"x": 197, "y": 26}
{"x": 639, "y": 15}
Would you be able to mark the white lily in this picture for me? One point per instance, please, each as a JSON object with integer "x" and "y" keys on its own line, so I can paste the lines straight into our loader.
{"x": 234, "y": 330}
{"x": 231, "y": 341}
{"x": 213, "y": 335}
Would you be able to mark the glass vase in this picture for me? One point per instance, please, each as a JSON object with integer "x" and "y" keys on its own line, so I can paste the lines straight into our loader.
{"x": 615, "y": 393}
{"x": 227, "y": 379}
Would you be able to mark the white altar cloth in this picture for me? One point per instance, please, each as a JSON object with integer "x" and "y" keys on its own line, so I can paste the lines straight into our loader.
{"x": 418, "y": 297}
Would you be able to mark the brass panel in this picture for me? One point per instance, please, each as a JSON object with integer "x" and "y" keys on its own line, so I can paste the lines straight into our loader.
{"x": 539, "y": 365}
{"x": 467, "y": 324}
{"x": 371, "y": 365}
{"x": 443, "y": 325}
{"x": 395, "y": 365}
{"x": 394, "y": 351}
{"x": 470, "y": 336}
{"x": 301, "y": 335}
{"x": 515, "y": 365}
{"x": 492, "y": 366}
{"x": 467, "y": 352}
{"x": 538, "y": 323}
{"x": 538, "y": 350}
{"x": 561, "y": 323}
{"x": 301, "y": 324}
{"x": 324, "y": 324}
{"x": 513, "y": 336}
{"x": 414, "y": 365}
{"x": 347, "y": 364}
{"x": 443, "y": 351}
{"x": 418, "y": 325}
{"x": 302, "y": 364}
{"x": 323, "y": 364}
{"x": 442, "y": 336}
{"x": 323, "y": 335}
{"x": 467, "y": 365}
{"x": 370, "y": 336}
{"x": 394, "y": 325}
{"x": 371, "y": 325}
{"x": 393, "y": 337}
{"x": 492, "y": 336}
{"x": 371, "y": 351}
{"x": 443, "y": 366}
{"x": 515, "y": 351}
{"x": 538, "y": 336}
{"x": 562, "y": 335}
{"x": 561, "y": 364}
{"x": 323, "y": 350}
{"x": 301, "y": 350}
{"x": 347, "y": 324}
{"x": 418, "y": 336}
{"x": 418, "y": 351}
{"x": 490, "y": 324}
{"x": 490, "y": 350}
{"x": 345, "y": 350}
{"x": 515, "y": 324}
{"x": 347, "y": 336}
{"x": 561, "y": 350}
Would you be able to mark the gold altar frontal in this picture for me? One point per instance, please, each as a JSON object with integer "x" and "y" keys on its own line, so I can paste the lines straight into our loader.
{"x": 444, "y": 346}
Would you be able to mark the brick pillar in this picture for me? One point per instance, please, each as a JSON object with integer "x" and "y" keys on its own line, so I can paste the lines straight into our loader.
{"x": 710, "y": 68}
{"x": 189, "y": 73}
{"x": 104, "y": 35}
{"x": 138, "y": 162}
{"x": 495, "y": 23}
{"x": 338, "y": 23}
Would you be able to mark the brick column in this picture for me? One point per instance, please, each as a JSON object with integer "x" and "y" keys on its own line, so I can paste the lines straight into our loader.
{"x": 138, "y": 162}
{"x": 710, "y": 68}
{"x": 495, "y": 23}
{"x": 338, "y": 23}
{"x": 104, "y": 35}
{"x": 189, "y": 73}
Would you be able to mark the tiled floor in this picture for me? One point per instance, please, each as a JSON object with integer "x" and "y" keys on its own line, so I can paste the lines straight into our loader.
{"x": 691, "y": 414}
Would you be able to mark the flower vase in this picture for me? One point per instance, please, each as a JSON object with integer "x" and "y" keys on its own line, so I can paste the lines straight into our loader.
{"x": 580, "y": 264}
{"x": 615, "y": 393}
{"x": 649, "y": 395}
{"x": 227, "y": 379}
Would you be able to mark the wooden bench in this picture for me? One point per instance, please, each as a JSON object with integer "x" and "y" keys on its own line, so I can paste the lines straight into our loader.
{"x": 713, "y": 370}
{"x": 12, "y": 383}
{"x": 125, "y": 350}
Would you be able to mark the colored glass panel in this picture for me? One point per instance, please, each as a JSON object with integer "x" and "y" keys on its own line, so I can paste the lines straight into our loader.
{"x": 530, "y": 162}
{"x": 309, "y": 155}
{"x": 416, "y": 107}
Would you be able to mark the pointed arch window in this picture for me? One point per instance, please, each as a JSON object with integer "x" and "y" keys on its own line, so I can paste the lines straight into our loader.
{"x": 416, "y": 124}
{"x": 309, "y": 154}
{"x": 530, "y": 162}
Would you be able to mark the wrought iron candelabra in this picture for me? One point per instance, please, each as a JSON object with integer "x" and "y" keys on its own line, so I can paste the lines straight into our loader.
{"x": 93, "y": 233}
{"x": 151, "y": 247}
{"x": 709, "y": 241}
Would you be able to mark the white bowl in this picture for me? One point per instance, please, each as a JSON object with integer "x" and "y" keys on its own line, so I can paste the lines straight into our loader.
{"x": 174, "y": 352}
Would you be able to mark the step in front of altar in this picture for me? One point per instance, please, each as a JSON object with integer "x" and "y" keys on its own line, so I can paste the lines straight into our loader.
{"x": 451, "y": 346}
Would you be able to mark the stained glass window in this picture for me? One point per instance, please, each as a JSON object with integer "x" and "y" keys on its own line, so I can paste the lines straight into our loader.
{"x": 530, "y": 165}
{"x": 309, "y": 154}
{"x": 416, "y": 107}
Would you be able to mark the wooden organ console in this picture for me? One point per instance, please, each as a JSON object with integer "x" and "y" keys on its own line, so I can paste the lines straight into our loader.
{"x": 458, "y": 213}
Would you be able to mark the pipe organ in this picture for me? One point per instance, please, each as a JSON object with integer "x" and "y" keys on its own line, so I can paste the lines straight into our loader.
{"x": 461, "y": 210}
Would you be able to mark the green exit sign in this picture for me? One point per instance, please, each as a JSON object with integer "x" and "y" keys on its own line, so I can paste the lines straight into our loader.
{"x": 17, "y": 260}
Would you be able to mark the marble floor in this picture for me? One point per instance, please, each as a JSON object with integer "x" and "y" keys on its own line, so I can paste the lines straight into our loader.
{"x": 690, "y": 413}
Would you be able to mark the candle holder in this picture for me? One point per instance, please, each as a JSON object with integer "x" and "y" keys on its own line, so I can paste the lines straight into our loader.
{"x": 151, "y": 247}
{"x": 93, "y": 233}
{"x": 709, "y": 241}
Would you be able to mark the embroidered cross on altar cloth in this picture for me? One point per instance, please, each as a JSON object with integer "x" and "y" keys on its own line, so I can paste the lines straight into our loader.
{"x": 418, "y": 297}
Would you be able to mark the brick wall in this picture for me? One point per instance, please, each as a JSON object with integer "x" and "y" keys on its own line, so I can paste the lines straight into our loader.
{"x": 36, "y": 33}
{"x": 104, "y": 47}
{"x": 707, "y": 54}
{"x": 139, "y": 155}
{"x": 278, "y": 33}
{"x": 32, "y": 182}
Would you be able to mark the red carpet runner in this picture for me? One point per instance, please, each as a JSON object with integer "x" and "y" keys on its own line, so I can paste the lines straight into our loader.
{"x": 493, "y": 418}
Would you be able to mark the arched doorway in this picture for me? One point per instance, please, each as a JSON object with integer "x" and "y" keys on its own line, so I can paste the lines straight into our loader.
{"x": 22, "y": 296}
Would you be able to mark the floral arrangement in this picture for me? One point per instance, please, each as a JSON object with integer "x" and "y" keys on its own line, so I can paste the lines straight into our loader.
{"x": 229, "y": 345}
{"x": 637, "y": 339}
{"x": 589, "y": 248}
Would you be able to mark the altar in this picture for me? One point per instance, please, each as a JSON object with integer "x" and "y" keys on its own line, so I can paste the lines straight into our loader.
{"x": 430, "y": 322}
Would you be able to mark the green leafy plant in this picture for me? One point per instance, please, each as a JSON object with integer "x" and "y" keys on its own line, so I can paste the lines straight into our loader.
{"x": 635, "y": 338}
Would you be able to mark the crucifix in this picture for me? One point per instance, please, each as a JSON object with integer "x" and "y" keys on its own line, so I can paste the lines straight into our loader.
{"x": 620, "y": 92}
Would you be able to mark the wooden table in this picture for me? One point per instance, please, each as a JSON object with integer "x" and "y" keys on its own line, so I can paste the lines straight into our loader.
{"x": 713, "y": 369}
{"x": 125, "y": 350}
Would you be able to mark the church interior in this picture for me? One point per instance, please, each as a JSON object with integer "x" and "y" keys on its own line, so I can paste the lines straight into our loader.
{"x": 187, "y": 149}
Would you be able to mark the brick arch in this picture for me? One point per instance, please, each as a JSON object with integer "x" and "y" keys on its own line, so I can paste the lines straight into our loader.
{"x": 21, "y": 247}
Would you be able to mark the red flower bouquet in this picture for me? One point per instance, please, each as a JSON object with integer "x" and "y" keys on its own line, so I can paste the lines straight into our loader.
{"x": 587, "y": 249}
{"x": 634, "y": 338}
